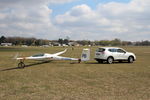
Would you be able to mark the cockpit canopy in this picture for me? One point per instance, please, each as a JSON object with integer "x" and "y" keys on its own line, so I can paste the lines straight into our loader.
{"x": 38, "y": 55}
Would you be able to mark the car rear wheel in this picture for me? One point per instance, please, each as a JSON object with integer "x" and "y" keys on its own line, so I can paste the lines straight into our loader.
{"x": 120, "y": 61}
{"x": 110, "y": 60}
{"x": 130, "y": 59}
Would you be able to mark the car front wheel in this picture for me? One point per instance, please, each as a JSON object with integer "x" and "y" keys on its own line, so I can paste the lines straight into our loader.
{"x": 130, "y": 59}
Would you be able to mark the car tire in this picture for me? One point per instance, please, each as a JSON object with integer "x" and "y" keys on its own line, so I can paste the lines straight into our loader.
{"x": 120, "y": 61}
{"x": 110, "y": 60}
{"x": 130, "y": 59}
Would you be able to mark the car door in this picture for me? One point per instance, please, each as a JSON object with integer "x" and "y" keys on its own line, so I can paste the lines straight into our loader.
{"x": 113, "y": 53}
{"x": 121, "y": 54}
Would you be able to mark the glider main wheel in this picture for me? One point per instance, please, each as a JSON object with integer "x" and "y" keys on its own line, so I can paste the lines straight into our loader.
{"x": 21, "y": 65}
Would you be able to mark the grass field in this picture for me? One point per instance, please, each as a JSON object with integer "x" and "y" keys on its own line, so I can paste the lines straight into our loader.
{"x": 66, "y": 80}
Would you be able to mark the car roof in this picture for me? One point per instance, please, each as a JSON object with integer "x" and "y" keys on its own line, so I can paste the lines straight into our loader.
{"x": 110, "y": 47}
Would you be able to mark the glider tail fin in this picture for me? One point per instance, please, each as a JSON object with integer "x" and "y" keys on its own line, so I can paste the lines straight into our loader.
{"x": 85, "y": 55}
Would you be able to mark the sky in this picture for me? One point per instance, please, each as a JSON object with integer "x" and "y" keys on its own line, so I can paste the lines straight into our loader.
{"x": 77, "y": 19}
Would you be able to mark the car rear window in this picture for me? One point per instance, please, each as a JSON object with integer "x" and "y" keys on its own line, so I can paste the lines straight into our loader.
{"x": 100, "y": 50}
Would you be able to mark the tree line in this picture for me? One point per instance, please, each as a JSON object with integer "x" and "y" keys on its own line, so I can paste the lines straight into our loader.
{"x": 38, "y": 42}
{"x": 23, "y": 41}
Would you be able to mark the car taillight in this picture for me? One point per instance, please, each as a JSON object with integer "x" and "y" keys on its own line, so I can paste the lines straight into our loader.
{"x": 103, "y": 52}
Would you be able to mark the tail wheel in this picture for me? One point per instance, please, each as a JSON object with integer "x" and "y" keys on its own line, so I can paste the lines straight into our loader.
{"x": 21, "y": 65}
{"x": 130, "y": 59}
{"x": 110, "y": 60}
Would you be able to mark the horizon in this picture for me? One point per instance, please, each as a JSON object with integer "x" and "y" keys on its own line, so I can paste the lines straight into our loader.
{"x": 75, "y": 40}
{"x": 127, "y": 20}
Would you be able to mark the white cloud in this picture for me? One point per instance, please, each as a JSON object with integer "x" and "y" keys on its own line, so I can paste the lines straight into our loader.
{"x": 17, "y": 20}
{"x": 17, "y": 3}
{"x": 78, "y": 16}
{"x": 128, "y": 21}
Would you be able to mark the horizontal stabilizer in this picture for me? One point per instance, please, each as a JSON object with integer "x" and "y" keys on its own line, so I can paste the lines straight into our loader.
{"x": 59, "y": 53}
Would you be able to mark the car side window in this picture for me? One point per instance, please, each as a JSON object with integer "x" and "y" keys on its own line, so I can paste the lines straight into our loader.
{"x": 112, "y": 50}
{"x": 120, "y": 51}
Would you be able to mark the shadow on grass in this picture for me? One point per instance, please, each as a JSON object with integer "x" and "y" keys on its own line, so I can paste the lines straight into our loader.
{"x": 30, "y": 65}
{"x": 107, "y": 63}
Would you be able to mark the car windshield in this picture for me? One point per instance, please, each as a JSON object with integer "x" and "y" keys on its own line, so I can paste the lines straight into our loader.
{"x": 38, "y": 55}
{"x": 100, "y": 50}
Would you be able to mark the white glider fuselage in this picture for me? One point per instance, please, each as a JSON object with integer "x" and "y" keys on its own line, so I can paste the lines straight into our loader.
{"x": 46, "y": 56}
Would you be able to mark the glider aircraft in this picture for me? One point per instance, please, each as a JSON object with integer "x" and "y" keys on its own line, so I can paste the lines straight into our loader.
{"x": 48, "y": 57}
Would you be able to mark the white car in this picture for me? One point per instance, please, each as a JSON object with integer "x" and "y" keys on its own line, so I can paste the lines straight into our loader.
{"x": 111, "y": 54}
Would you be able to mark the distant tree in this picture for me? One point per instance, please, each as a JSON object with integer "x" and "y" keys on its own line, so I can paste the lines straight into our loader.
{"x": 84, "y": 42}
{"x": 145, "y": 43}
{"x": 104, "y": 42}
{"x": 126, "y": 43}
{"x": 66, "y": 41}
{"x": 45, "y": 42}
{"x": 116, "y": 42}
{"x": 39, "y": 42}
{"x": 142, "y": 43}
{"x": 60, "y": 40}
{"x": 2, "y": 39}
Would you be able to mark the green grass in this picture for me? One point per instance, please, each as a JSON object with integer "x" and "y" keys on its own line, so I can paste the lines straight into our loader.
{"x": 65, "y": 80}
